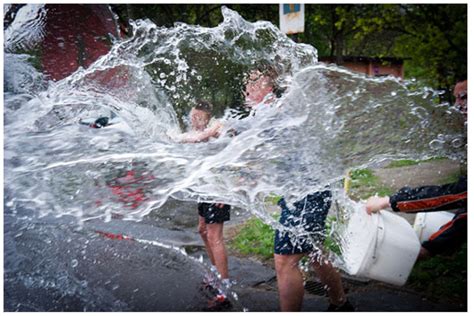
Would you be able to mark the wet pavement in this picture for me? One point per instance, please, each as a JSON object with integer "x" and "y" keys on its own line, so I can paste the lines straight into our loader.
{"x": 52, "y": 264}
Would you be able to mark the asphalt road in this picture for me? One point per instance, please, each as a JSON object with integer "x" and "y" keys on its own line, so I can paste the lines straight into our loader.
{"x": 54, "y": 264}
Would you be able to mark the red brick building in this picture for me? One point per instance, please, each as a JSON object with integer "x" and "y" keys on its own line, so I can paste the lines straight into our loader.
{"x": 371, "y": 66}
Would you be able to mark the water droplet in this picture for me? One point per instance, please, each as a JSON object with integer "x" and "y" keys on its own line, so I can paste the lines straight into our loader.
{"x": 436, "y": 144}
{"x": 457, "y": 143}
{"x": 74, "y": 263}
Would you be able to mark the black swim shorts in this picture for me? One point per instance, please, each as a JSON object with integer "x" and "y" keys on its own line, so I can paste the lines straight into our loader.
{"x": 306, "y": 221}
{"x": 213, "y": 214}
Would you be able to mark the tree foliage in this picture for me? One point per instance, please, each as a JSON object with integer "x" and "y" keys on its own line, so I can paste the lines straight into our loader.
{"x": 432, "y": 38}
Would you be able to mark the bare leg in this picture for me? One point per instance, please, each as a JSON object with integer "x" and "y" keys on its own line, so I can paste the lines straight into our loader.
{"x": 215, "y": 237}
{"x": 330, "y": 277}
{"x": 290, "y": 282}
{"x": 202, "y": 229}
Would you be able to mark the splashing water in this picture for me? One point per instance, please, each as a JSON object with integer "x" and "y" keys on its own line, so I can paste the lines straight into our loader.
{"x": 328, "y": 121}
{"x": 27, "y": 29}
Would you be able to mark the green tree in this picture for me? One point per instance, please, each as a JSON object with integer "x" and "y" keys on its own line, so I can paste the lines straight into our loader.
{"x": 432, "y": 38}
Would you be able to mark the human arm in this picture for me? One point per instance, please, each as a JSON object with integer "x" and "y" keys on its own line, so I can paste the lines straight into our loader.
{"x": 376, "y": 203}
{"x": 423, "y": 199}
{"x": 201, "y": 136}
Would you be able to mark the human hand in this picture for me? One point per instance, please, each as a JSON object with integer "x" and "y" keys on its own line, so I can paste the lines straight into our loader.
{"x": 215, "y": 129}
{"x": 376, "y": 203}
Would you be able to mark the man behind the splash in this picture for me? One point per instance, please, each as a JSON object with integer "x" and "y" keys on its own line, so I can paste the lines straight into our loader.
{"x": 309, "y": 213}
{"x": 451, "y": 196}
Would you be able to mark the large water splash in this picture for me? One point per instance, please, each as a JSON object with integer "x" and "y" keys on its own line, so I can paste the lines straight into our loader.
{"x": 328, "y": 120}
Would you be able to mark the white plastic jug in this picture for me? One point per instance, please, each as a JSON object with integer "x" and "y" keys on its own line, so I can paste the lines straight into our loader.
{"x": 426, "y": 224}
{"x": 382, "y": 246}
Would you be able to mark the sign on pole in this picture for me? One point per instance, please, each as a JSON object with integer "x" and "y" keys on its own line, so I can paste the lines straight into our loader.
{"x": 292, "y": 18}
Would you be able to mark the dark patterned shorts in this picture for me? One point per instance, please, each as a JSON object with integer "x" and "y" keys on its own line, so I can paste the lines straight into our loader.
{"x": 308, "y": 219}
{"x": 213, "y": 214}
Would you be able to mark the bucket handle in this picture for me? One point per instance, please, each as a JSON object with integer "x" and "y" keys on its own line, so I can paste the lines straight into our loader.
{"x": 374, "y": 254}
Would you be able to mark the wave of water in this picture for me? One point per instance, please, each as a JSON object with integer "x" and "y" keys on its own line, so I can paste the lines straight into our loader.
{"x": 328, "y": 120}
{"x": 26, "y": 29}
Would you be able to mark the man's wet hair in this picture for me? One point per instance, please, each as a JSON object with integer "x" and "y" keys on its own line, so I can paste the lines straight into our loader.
{"x": 204, "y": 106}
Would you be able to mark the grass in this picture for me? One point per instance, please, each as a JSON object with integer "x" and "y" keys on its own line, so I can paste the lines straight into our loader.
{"x": 256, "y": 238}
{"x": 364, "y": 183}
{"x": 272, "y": 199}
{"x": 410, "y": 162}
{"x": 451, "y": 178}
{"x": 441, "y": 277}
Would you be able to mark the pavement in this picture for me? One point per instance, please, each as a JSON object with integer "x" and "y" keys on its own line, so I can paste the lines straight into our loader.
{"x": 427, "y": 173}
{"x": 53, "y": 265}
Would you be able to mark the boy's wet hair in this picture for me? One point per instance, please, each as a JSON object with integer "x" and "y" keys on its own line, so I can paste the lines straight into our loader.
{"x": 269, "y": 71}
{"x": 273, "y": 72}
{"x": 204, "y": 106}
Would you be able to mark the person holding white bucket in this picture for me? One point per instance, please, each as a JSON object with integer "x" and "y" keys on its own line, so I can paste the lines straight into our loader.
{"x": 431, "y": 199}
{"x": 434, "y": 198}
